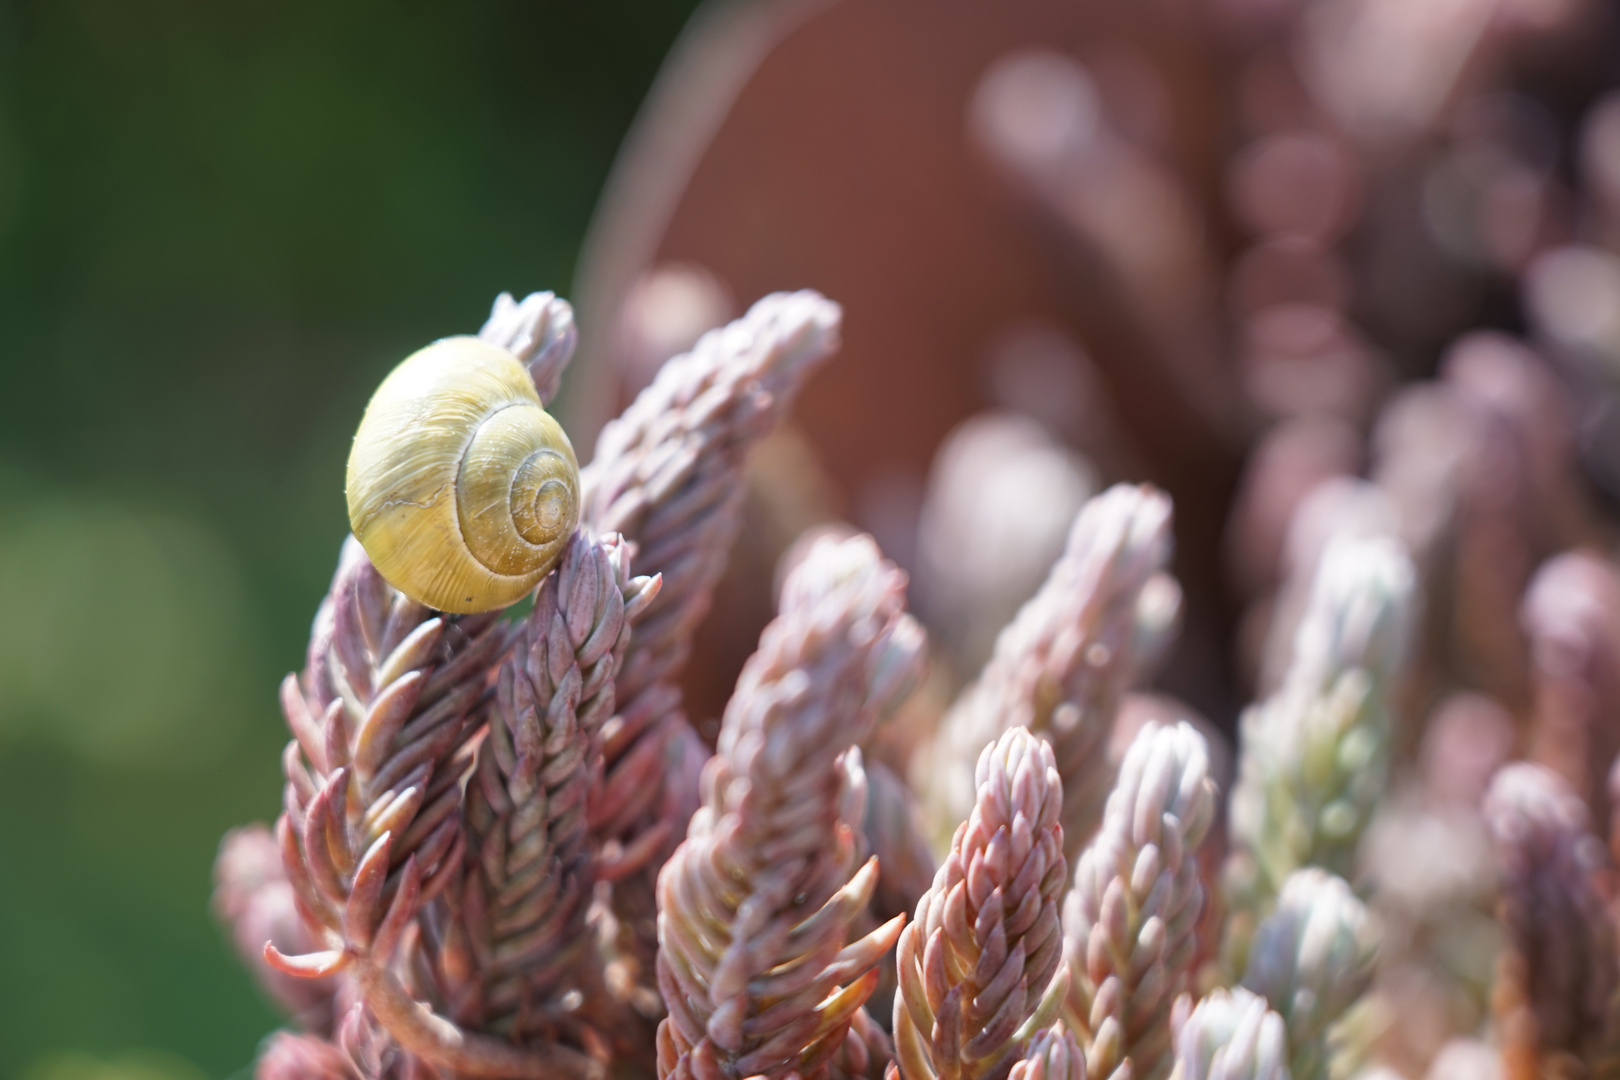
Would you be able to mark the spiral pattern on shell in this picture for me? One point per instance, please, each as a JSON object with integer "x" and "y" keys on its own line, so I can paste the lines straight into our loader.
{"x": 461, "y": 487}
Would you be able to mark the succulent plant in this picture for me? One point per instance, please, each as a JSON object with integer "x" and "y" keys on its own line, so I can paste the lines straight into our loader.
{"x": 980, "y": 965}
{"x": 1232, "y": 1035}
{"x": 757, "y": 960}
{"x": 1129, "y": 921}
{"x": 505, "y": 853}
{"x": 1063, "y": 663}
{"x": 1557, "y": 979}
{"x": 1316, "y": 755}
{"x": 1312, "y": 959}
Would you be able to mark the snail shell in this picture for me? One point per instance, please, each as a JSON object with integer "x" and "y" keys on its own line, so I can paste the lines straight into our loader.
{"x": 462, "y": 489}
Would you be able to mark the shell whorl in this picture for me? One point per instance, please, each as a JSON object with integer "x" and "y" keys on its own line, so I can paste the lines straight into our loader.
{"x": 462, "y": 489}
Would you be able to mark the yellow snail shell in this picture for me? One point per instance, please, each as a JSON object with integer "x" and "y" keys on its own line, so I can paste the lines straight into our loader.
{"x": 462, "y": 489}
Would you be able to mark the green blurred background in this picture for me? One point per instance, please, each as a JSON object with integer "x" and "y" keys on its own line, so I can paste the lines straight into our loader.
{"x": 220, "y": 225}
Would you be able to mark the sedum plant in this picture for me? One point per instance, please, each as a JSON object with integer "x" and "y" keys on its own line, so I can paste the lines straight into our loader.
{"x": 504, "y": 852}
{"x": 1232, "y": 1035}
{"x": 1316, "y": 755}
{"x": 1557, "y": 976}
{"x": 667, "y": 475}
{"x": 758, "y": 960}
{"x": 1130, "y": 920}
{"x": 1312, "y": 958}
{"x": 980, "y": 964}
{"x": 1051, "y": 1055}
{"x": 1063, "y": 664}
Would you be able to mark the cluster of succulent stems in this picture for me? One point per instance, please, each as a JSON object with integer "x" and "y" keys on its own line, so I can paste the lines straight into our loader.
{"x": 505, "y": 852}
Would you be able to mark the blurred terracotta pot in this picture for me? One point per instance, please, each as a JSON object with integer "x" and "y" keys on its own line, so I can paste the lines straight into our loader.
{"x": 826, "y": 144}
